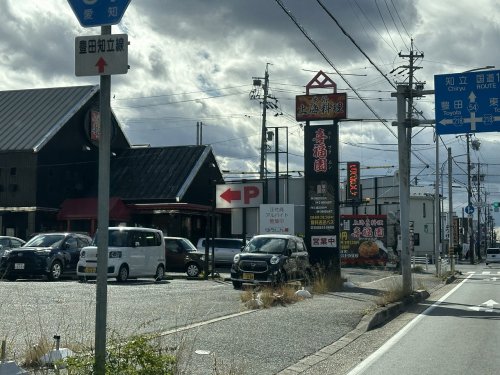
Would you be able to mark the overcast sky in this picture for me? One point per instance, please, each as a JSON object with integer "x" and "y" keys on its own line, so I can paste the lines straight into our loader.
{"x": 195, "y": 60}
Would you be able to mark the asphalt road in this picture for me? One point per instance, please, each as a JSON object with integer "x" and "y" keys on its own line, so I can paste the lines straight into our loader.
{"x": 458, "y": 334}
{"x": 206, "y": 318}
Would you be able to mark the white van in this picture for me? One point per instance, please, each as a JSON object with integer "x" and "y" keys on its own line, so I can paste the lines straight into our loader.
{"x": 132, "y": 252}
{"x": 224, "y": 248}
{"x": 492, "y": 255}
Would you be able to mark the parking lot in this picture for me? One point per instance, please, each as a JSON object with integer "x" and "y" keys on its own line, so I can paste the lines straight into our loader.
{"x": 209, "y": 315}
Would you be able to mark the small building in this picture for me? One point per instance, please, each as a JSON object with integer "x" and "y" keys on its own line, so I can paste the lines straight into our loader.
{"x": 49, "y": 170}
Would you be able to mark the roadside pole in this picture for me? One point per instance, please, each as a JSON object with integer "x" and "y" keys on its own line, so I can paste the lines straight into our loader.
{"x": 103, "y": 220}
{"x": 450, "y": 214}
{"x": 404, "y": 188}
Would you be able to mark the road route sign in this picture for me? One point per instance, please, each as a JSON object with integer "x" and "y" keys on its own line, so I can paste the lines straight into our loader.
{"x": 467, "y": 102}
{"x": 104, "y": 54}
{"x": 91, "y": 13}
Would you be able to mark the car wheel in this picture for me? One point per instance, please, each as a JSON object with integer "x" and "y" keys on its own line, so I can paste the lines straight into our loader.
{"x": 193, "y": 270}
{"x": 160, "y": 273}
{"x": 237, "y": 284}
{"x": 82, "y": 279}
{"x": 11, "y": 278}
{"x": 122, "y": 274}
{"x": 55, "y": 271}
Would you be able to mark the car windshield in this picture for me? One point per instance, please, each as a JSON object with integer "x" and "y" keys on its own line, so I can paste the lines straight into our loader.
{"x": 187, "y": 245}
{"x": 45, "y": 240}
{"x": 266, "y": 245}
{"x": 116, "y": 238}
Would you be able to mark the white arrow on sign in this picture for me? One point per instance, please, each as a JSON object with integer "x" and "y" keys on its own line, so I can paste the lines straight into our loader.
{"x": 489, "y": 304}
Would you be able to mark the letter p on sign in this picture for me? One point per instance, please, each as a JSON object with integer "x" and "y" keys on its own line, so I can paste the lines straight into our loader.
{"x": 250, "y": 192}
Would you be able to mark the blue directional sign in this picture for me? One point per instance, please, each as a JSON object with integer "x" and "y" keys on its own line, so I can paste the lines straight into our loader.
{"x": 467, "y": 102}
{"x": 92, "y": 13}
{"x": 469, "y": 210}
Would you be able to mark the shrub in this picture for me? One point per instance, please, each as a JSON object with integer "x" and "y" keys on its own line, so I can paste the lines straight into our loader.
{"x": 137, "y": 356}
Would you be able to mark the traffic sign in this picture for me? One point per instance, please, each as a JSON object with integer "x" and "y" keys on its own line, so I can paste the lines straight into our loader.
{"x": 469, "y": 210}
{"x": 467, "y": 102}
{"x": 239, "y": 195}
{"x": 101, "y": 55}
{"x": 92, "y": 13}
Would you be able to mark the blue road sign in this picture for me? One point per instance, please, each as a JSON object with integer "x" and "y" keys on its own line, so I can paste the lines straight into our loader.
{"x": 91, "y": 13}
{"x": 467, "y": 102}
{"x": 469, "y": 210}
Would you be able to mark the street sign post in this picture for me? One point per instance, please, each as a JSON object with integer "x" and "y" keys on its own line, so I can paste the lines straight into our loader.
{"x": 101, "y": 55}
{"x": 467, "y": 102}
{"x": 91, "y": 13}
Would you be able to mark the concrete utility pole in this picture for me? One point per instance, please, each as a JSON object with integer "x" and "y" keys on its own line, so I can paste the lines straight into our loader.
{"x": 470, "y": 231}
{"x": 450, "y": 213}
{"x": 263, "y": 142}
{"x": 405, "y": 122}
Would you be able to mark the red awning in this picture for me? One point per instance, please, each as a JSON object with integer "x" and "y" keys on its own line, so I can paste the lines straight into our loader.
{"x": 86, "y": 208}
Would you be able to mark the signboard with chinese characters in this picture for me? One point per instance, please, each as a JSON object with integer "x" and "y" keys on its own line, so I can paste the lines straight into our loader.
{"x": 320, "y": 189}
{"x": 92, "y": 13}
{"x": 353, "y": 190}
{"x": 321, "y": 107}
{"x": 276, "y": 219}
{"x": 101, "y": 55}
{"x": 363, "y": 239}
{"x": 467, "y": 102}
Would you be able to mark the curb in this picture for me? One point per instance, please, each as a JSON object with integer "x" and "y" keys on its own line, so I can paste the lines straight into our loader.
{"x": 390, "y": 311}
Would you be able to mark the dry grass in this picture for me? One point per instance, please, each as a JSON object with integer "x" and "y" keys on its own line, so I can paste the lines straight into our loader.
{"x": 268, "y": 296}
{"x": 394, "y": 292}
{"x": 325, "y": 280}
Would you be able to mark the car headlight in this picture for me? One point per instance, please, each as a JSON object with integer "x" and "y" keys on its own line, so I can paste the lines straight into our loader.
{"x": 115, "y": 254}
{"x": 42, "y": 252}
{"x": 6, "y": 253}
{"x": 82, "y": 254}
{"x": 236, "y": 259}
{"x": 274, "y": 260}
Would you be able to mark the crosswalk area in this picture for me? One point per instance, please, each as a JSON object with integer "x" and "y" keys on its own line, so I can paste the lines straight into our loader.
{"x": 484, "y": 273}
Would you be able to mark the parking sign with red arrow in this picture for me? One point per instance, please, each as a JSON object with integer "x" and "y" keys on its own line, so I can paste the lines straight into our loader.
{"x": 239, "y": 195}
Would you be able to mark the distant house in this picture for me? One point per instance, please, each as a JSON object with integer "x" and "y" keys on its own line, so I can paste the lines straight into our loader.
{"x": 49, "y": 170}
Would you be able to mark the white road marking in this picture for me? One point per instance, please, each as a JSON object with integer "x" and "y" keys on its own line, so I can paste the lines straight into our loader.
{"x": 363, "y": 366}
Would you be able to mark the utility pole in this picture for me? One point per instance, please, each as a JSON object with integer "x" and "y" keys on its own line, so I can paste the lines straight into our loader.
{"x": 405, "y": 94}
{"x": 450, "y": 214}
{"x": 257, "y": 82}
{"x": 470, "y": 232}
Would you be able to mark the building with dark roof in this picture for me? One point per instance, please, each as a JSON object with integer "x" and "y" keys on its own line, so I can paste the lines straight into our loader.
{"x": 49, "y": 170}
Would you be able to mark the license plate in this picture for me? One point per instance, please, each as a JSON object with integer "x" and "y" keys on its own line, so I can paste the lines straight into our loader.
{"x": 90, "y": 270}
{"x": 19, "y": 266}
{"x": 247, "y": 276}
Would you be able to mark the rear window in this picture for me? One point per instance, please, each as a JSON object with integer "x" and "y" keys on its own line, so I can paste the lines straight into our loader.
{"x": 493, "y": 251}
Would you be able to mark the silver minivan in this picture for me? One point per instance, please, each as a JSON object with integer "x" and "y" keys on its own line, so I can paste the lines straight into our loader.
{"x": 492, "y": 255}
{"x": 224, "y": 248}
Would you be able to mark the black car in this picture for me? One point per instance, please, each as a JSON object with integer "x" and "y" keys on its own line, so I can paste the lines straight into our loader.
{"x": 48, "y": 254}
{"x": 271, "y": 259}
{"x": 182, "y": 256}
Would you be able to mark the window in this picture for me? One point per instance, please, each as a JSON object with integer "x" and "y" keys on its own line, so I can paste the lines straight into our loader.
{"x": 13, "y": 171}
{"x": 424, "y": 212}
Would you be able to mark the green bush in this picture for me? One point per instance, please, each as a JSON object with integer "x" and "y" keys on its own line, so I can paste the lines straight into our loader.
{"x": 137, "y": 356}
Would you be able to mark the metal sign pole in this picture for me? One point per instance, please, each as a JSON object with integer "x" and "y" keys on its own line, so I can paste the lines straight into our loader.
{"x": 103, "y": 220}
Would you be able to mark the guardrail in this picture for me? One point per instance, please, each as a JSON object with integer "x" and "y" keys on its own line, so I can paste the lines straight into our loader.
{"x": 420, "y": 260}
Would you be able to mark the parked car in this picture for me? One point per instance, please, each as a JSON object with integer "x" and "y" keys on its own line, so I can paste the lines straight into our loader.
{"x": 224, "y": 248}
{"x": 8, "y": 242}
{"x": 492, "y": 255}
{"x": 271, "y": 259}
{"x": 182, "y": 256}
{"x": 47, "y": 254}
{"x": 132, "y": 252}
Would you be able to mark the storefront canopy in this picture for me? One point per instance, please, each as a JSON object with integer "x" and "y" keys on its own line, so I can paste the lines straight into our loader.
{"x": 86, "y": 208}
